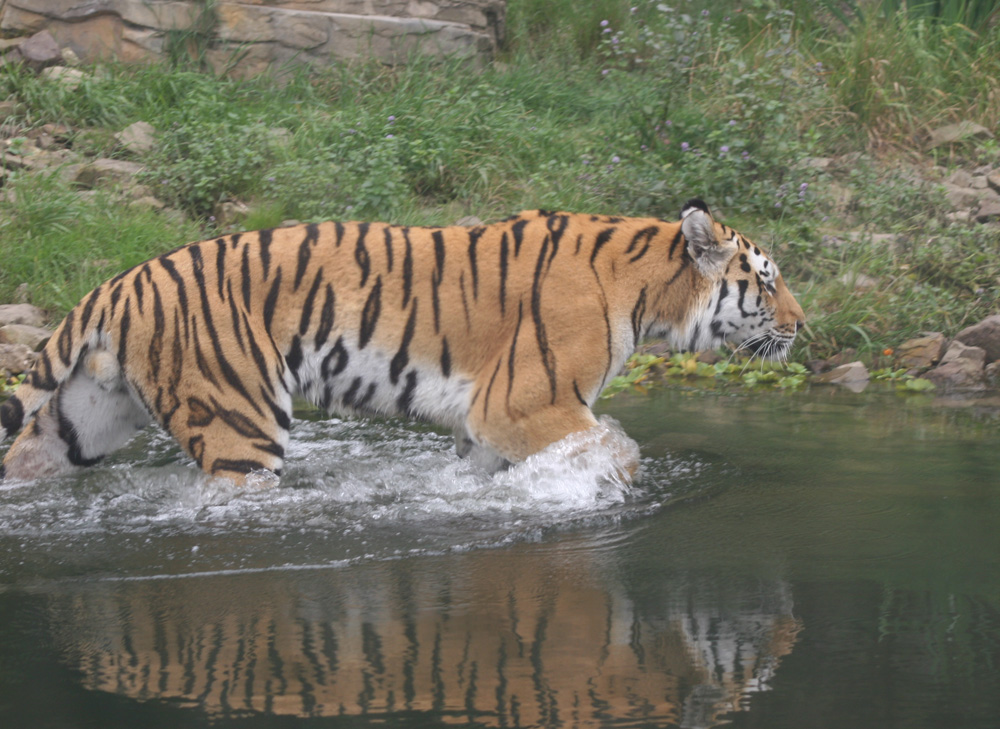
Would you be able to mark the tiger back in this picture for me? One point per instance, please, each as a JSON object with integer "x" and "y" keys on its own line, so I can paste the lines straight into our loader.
{"x": 506, "y": 333}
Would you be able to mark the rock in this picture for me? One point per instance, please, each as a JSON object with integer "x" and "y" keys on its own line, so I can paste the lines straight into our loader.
{"x": 959, "y": 178}
{"x": 993, "y": 180}
{"x": 858, "y": 281}
{"x": 71, "y": 78}
{"x": 469, "y": 221}
{"x": 989, "y": 209}
{"x": 815, "y": 163}
{"x": 138, "y": 138}
{"x": 16, "y": 358}
{"x": 961, "y": 197}
{"x": 922, "y": 352}
{"x": 842, "y": 357}
{"x": 960, "y": 216}
{"x": 107, "y": 172}
{"x": 21, "y": 314}
{"x": 853, "y": 376}
{"x": 979, "y": 182}
{"x": 40, "y": 51}
{"x": 959, "y": 351}
{"x": 985, "y": 335}
{"x": 992, "y": 374}
{"x": 148, "y": 201}
{"x": 8, "y": 108}
{"x": 961, "y": 132}
{"x": 230, "y": 212}
{"x": 24, "y": 334}
{"x": 958, "y": 374}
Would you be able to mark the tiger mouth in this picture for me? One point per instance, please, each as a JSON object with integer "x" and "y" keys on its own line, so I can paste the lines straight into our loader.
{"x": 769, "y": 345}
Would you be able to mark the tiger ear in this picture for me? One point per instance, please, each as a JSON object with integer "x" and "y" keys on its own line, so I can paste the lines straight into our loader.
{"x": 710, "y": 255}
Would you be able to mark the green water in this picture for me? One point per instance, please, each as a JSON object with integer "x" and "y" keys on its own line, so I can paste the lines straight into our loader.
{"x": 817, "y": 559}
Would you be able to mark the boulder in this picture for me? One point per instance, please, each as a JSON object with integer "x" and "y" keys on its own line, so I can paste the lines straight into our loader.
{"x": 989, "y": 209}
{"x": 21, "y": 314}
{"x": 959, "y": 351}
{"x": 958, "y": 374}
{"x": 922, "y": 352}
{"x": 985, "y": 334}
{"x": 854, "y": 376}
{"x": 960, "y": 132}
{"x": 107, "y": 172}
{"x": 40, "y": 51}
{"x": 138, "y": 138}
{"x": 16, "y": 358}
{"x": 71, "y": 78}
{"x": 31, "y": 337}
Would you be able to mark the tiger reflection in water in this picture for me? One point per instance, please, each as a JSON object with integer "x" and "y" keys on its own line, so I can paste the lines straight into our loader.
{"x": 504, "y": 646}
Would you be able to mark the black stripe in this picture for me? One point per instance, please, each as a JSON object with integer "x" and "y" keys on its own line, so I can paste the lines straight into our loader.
{"x": 340, "y": 353}
{"x": 557, "y": 225}
{"x": 638, "y": 311}
{"x": 474, "y": 236}
{"x": 234, "y": 316}
{"x": 338, "y": 228}
{"x": 41, "y": 375}
{"x": 326, "y": 318}
{"x": 171, "y": 270}
{"x": 517, "y": 230}
{"x": 305, "y": 253}
{"x": 504, "y": 252}
{"x": 307, "y": 306}
{"x": 548, "y": 358}
{"x": 678, "y": 237}
{"x": 407, "y": 267}
{"x": 694, "y": 337}
{"x": 402, "y": 357}
{"x": 260, "y": 360}
{"x": 272, "y": 300}
{"x": 367, "y": 397}
{"x": 489, "y": 388}
{"x": 361, "y": 254}
{"x": 245, "y": 276}
{"x": 199, "y": 356}
{"x": 88, "y": 308}
{"x": 723, "y": 293}
{"x": 156, "y": 341}
{"x": 139, "y": 294}
{"x": 294, "y": 357}
{"x": 242, "y": 466}
{"x": 602, "y": 238}
{"x": 445, "y": 358}
{"x": 743, "y": 286}
{"x": 231, "y": 376}
{"x": 646, "y": 236}
{"x": 370, "y": 314}
{"x": 576, "y": 389}
{"x": 11, "y": 415}
{"x": 65, "y": 340}
{"x": 124, "y": 325}
{"x": 436, "y": 277}
{"x": 264, "y": 236}
{"x": 239, "y": 422}
{"x": 513, "y": 352}
{"x": 465, "y": 301}
{"x": 387, "y": 233}
{"x": 220, "y": 266}
{"x": 405, "y": 399}
{"x": 281, "y": 416}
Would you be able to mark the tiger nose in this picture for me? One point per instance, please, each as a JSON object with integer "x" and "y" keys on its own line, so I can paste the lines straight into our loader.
{"x": 799, "y": 323}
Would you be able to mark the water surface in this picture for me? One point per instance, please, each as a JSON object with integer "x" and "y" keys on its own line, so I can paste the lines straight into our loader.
{"x": 816, "y": 559}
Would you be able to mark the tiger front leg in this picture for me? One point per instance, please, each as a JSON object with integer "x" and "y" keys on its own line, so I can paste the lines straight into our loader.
{"x": 515, "y": 437}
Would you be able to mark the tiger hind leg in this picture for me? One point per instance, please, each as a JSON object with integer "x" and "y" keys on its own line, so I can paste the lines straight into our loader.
{"x": 91, "y": 415}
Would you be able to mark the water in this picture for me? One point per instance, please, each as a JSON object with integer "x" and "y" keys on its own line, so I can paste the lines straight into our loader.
{"x": 818, "y": 559}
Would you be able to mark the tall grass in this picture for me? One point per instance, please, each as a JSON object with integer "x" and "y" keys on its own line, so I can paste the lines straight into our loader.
{"x": 591, "y": 106}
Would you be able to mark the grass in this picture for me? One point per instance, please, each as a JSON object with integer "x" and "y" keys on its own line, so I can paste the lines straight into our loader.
{"x": 594, "y": 107}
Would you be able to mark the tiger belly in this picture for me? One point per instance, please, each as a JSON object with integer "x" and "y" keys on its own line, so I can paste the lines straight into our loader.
{"x": 344, "y": 379}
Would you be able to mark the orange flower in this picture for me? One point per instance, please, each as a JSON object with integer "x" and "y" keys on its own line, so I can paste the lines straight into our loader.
{"x": 887, "y": 352}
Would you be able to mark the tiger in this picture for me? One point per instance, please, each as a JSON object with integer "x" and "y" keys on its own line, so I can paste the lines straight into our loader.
{"x": 506, "y": 333}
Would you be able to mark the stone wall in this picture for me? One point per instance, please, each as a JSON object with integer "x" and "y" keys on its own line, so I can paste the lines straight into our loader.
{"x": 253, "y": 35}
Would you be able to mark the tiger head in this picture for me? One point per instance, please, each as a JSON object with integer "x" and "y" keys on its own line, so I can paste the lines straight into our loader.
{"x": 743, "y": 298}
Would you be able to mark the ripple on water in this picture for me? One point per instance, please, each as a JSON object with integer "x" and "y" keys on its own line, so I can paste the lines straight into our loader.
{"x": 353, "y": 490}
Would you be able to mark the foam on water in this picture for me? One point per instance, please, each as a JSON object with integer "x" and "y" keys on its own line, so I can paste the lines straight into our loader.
{"x": 352, "y": 490}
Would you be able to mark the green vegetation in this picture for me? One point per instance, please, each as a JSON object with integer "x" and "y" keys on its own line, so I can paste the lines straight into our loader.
{"x": 605, "y": 106}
